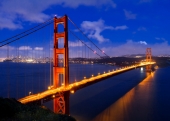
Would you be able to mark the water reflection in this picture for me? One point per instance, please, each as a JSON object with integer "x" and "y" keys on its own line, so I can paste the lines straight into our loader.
{"x": 148, "y": 101}
{"x": 99, "y": 102}
{"x": 88, "y": 102}
{"x": 131, "y": 107}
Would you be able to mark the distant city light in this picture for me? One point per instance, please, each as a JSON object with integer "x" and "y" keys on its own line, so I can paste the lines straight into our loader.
{"x": 29, "y": 60}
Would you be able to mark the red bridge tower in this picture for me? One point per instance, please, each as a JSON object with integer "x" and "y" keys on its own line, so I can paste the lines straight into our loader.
{"x": 148, "y": 59}
{"x": 61, "y": 103}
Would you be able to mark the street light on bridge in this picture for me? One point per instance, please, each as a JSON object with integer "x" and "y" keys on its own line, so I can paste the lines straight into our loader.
{"x": 72, "y": 91}
{"x": 30, "y": 93}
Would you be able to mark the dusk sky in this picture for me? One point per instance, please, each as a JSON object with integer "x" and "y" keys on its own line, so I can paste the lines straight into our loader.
{"x": 119, "y": 27}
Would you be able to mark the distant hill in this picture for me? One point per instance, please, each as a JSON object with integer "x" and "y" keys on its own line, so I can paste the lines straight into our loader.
{"x": 134, "y": 55}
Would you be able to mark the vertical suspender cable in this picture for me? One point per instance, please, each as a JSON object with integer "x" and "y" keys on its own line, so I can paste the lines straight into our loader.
{"x": 39, "y": 39}
{"x": 31, "y": 70}
{"x": 7, "y": 73}
{"x": 24, "y": 70}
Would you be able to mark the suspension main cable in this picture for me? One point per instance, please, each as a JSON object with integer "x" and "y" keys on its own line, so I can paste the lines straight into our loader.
{"x": 26, "y": 31}
{"x": 86, "y": 36}
{"x": 85, "y": 44}
{"x": 25, "y": 35}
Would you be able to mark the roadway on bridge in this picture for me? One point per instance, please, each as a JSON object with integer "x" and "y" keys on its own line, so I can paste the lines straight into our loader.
{"x": 74, "y": 85}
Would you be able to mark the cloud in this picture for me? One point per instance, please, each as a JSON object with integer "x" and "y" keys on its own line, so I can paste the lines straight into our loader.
{"x": 94, "y": 29}
{"x": 143, "y": 42}
{"x": 6, "y": 22}
{"x": 14, "y": 12}
{"x": 38, "y": 48}
{"x": 163, "y": 39}
{"x": 75, "y": 44}
{"x": 7, "y": 48}
{"x": 144, "y": 1}
{"x": 25, "y": 48}
{"x": 132, "y": 47}
{"x": 129, "y": 15}
{"x": 121, "y": 27}
{"x": 142, "y": 29}
{"x": 21, "y": 48}
{"x": 76, "y": 3}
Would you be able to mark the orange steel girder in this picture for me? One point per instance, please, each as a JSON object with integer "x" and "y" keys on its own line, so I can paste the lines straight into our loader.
{"x": 148, "y": 68}
{"x": 148, "y": 59}
{"x": 148, "y": 55}
{"x": 61, "y": 104}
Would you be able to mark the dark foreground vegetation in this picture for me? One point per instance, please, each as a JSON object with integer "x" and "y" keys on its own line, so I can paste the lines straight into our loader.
{"x": 12, "y": 110}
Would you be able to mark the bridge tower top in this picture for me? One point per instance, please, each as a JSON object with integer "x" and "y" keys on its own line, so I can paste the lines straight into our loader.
{"x": 148, "y": 55}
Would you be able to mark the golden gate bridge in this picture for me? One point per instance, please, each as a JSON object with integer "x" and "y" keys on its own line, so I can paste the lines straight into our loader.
{"x": 33, "y": 46}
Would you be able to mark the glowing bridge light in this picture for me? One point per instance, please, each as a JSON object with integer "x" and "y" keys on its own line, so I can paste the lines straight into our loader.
{"x": 52, "y": 92}
{"x": 98, "y": 73}
{"x": 92, "y": 75}
{"x": 30, "y": 93}
{"x": 94, "y": 52}
{"x": 103, "y": 51}
{"x": 49, "y": 87}
{"x": 84, "y": 77}
{"x": 72, "y": 91}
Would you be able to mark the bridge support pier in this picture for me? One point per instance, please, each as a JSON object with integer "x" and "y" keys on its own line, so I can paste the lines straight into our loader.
{"x": 148, "y": 68}
{"x": 61, "y": 103}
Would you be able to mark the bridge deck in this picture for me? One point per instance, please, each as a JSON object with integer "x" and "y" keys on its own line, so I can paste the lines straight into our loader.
{"x": 72, "y": 86}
